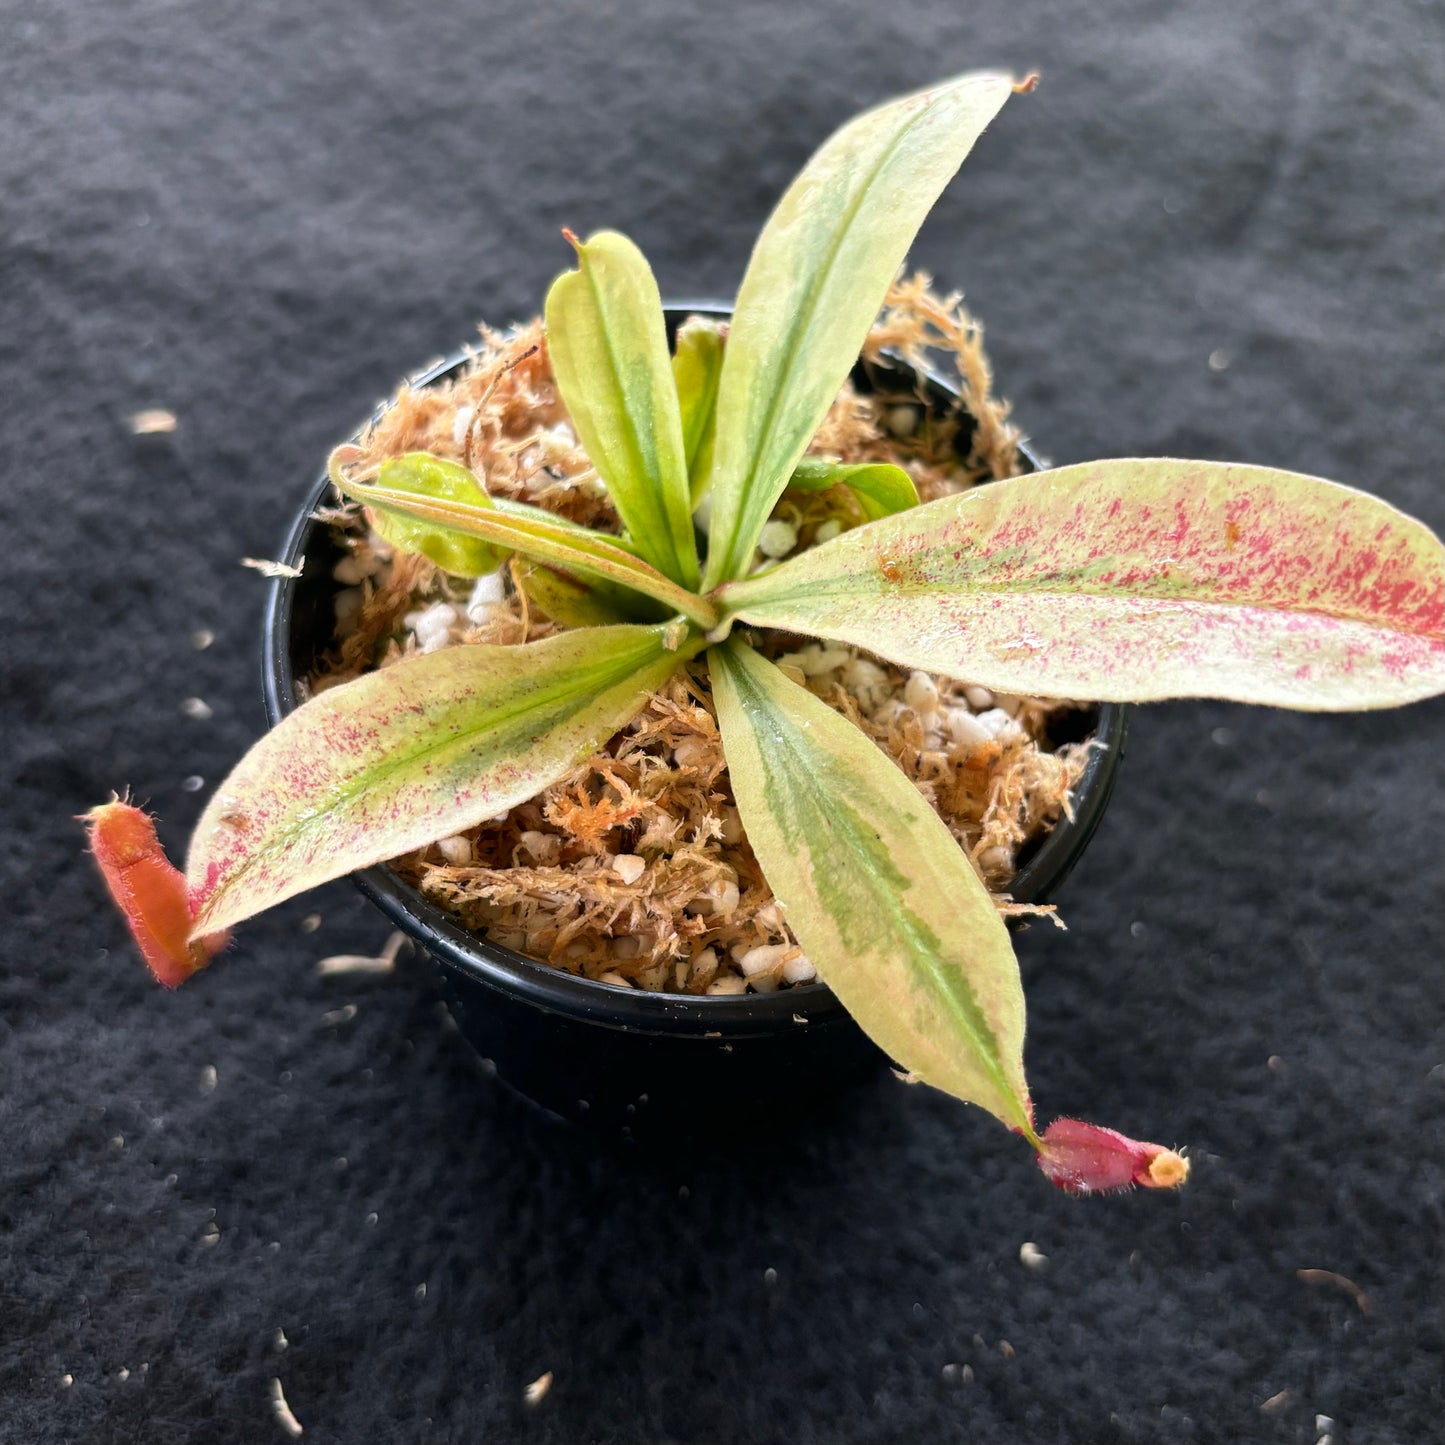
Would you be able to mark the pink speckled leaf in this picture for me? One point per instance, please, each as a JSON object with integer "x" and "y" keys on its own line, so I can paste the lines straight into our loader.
{"x": 1136, "y": 580}
{"x": 404, "y": 756}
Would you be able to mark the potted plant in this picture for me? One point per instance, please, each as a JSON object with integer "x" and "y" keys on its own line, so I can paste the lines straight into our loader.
{"x": 704, "y": 1044}
{"x": 1112, "y": 581}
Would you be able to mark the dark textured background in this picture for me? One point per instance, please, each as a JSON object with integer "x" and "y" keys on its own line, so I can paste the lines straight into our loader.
{"x": 258, "y": 216}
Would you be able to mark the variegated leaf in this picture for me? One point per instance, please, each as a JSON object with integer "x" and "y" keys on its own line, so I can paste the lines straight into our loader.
{"x": 398, "y": 758}
{"x": 1136, "y": 580}
{"x": 608, "y": 343}
{"x": 880, "y": 896}
{"x": 817, "y": 277}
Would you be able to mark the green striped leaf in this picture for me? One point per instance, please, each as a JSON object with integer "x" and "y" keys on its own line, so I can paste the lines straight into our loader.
{"x": 1136, "y": 580}
{"x": 415, "y": 752}
{"x": 608, "y": 343}
{"x": 877, "y": 891}
{"x": 881, "y": 488}
{"x": 817, "y": 278}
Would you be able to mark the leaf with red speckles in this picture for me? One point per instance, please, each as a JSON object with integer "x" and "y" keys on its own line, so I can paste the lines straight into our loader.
{"x": 149, "y": 891}
{"x": 1136, "y": 580}
{"x": 1083, "y": 1158}
{"x": 422, "y": 749}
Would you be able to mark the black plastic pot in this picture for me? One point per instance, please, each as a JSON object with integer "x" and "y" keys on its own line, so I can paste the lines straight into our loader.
{"x": 619, "y": 1058}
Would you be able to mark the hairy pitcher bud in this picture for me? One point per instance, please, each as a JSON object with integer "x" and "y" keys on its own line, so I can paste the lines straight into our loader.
{"x": 149, "y": 891}
{"x": 1083, "y": 1158}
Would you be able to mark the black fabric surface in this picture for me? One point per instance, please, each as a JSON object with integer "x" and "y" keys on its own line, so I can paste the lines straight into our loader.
{"x": 259, "y": 216}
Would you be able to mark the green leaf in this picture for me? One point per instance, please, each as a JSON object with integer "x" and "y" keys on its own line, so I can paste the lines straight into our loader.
{"x": 1136, "y": 580}
{"x": 696, "y": 367}
{"x": 878, "y": 893}
{"x": 574, "y": 602}
{"x": 815, "y": 283}
{"x": 608, "y": 342}
{"x": 536, "y": 534}
{"x": 514, "y": 508}
{"x": 401, "y": 757}
{"x": 429, "y": 476}
{"x": 881, "y": 488}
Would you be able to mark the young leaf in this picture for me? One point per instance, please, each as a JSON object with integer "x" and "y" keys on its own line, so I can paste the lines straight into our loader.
{"x": 538, "y": 534}
{"x": 398, "y": 758}
{"x": 817, "y": 277}
{"x": 1136, "y": 580}
{"x": 429, "y": 476}
{"x": 577, "y": 603}
{"x": 877, "y": 891}
{"x": 881, "y": 488}
{"x": 696, "y": 367}
{"x": 608, "y": 343}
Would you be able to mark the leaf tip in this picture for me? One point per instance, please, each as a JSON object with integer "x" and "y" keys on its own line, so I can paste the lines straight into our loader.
{"x": 570, "y": 236}
{"x": 1028, "y": 84}
{"x": 1082, "y": 1158}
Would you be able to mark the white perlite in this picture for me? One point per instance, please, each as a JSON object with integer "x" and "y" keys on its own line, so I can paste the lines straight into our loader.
{"x": 487, "y": 591}
{"x": 777, "y": 539}
{"x": 456, "y": 850}
{"x": 433, "y": 626}
{"x": 629, "y": 867}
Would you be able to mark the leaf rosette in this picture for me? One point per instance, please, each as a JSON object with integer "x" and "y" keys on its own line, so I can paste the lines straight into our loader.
{"x": 1116, "y": 580}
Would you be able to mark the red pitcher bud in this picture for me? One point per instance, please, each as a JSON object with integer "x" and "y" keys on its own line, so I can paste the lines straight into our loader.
{"x": 1085, "y": 1159}
{"x": 149, "y": 891}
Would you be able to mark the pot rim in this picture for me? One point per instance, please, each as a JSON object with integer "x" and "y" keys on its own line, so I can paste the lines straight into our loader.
{"x": 608, "y": 1005}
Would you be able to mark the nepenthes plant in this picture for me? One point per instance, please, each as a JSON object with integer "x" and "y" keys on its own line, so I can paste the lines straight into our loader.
{"x": 1121, "y": 580}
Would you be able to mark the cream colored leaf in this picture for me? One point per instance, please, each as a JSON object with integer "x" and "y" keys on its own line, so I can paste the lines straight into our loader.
{"x": 880, "y": 896}
{"x": 817, "y": 277}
